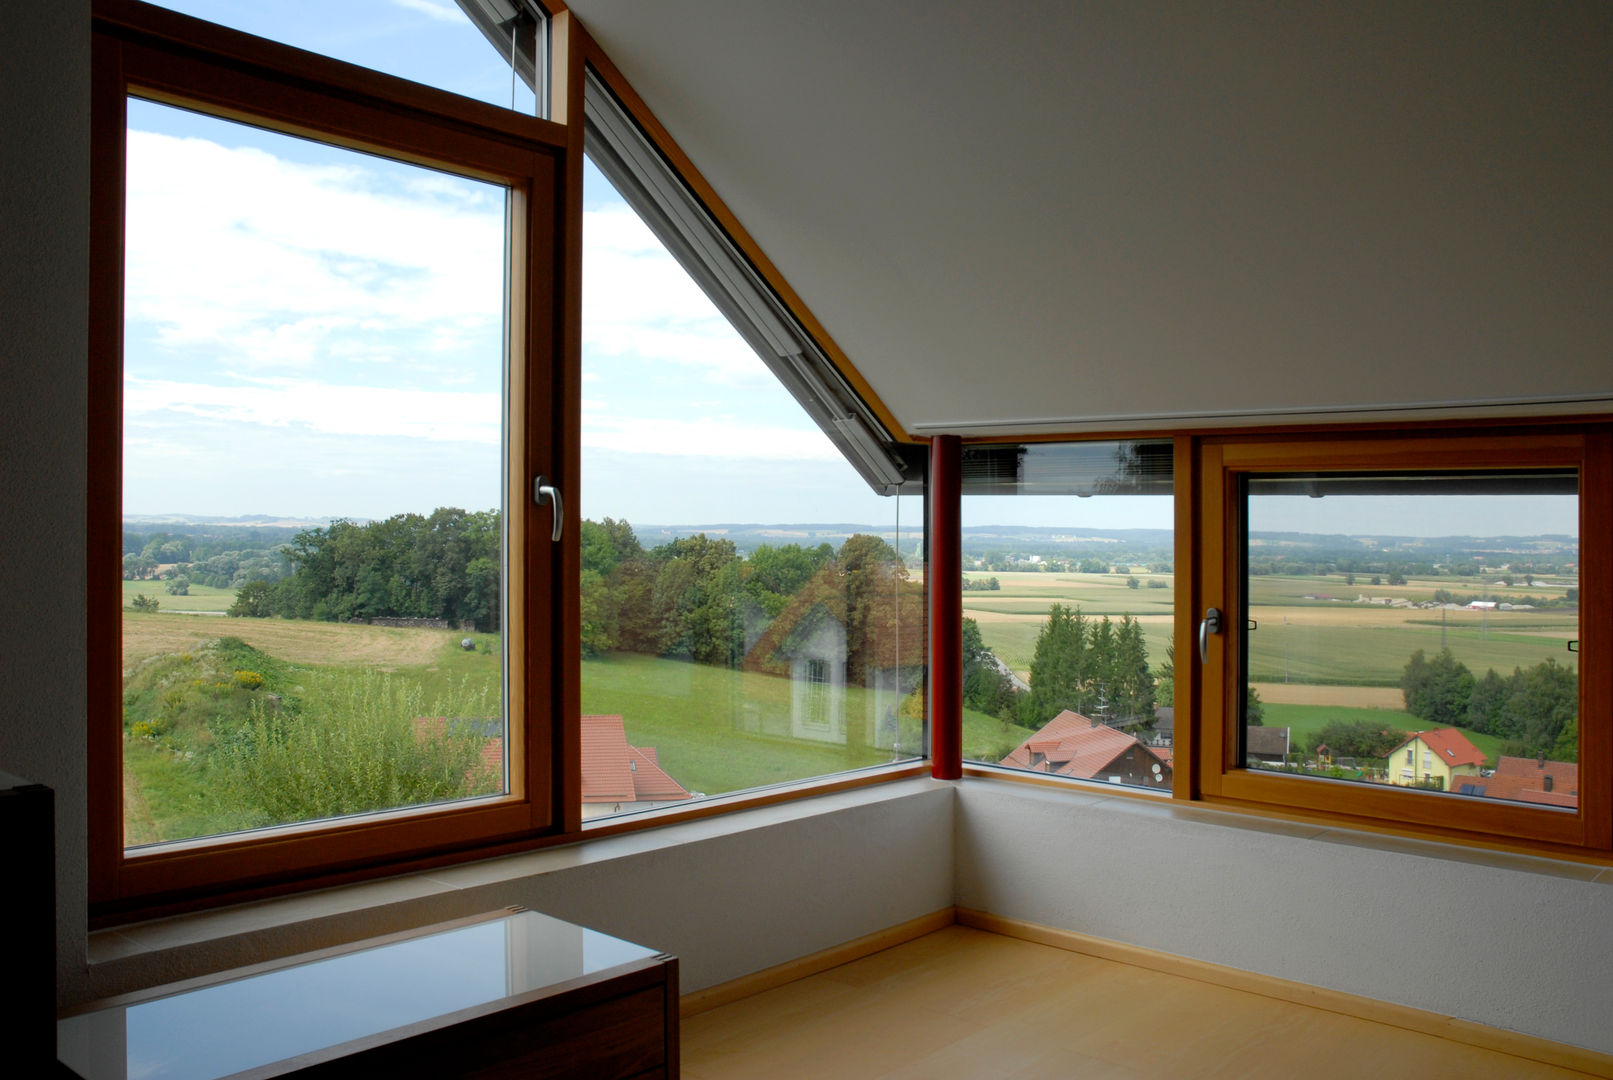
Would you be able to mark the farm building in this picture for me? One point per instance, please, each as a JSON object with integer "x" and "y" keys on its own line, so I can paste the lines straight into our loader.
{"x": 1075, "y": 746}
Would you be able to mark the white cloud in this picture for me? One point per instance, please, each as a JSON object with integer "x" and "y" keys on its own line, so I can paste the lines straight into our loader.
{"x": 637, "y": 301}
{"x": 434, "y": 9}
{"x": 274, "y": 263}
{"x": 335, "y": 410}
{"x": 716, "y": 437}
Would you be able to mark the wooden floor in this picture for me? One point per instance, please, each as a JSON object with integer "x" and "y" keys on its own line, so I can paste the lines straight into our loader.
{"x": 966, "y": 1003}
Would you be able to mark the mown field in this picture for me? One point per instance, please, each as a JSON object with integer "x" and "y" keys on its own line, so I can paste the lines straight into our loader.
{"x": 704, "y": 722}
{"x": 1323, "y": 642}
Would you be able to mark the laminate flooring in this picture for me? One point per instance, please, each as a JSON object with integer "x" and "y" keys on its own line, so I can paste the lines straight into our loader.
{"x": 964, "y": 1003}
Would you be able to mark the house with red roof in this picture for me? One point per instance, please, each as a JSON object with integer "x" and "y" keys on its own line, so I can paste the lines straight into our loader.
{"x": 1074, "y": 745}
{"x": 618, "y": 778}
{"x": 1530, "y": 780}
{"x": 1429, "y": 757}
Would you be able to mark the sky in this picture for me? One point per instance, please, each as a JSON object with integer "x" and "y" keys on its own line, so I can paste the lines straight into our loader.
{"x": 311, "y": 332}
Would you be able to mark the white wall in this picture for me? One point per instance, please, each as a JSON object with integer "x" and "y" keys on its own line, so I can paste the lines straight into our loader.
{"x": 44, "y": 266}
{"x": 728, "y": 895}
{"x": 1509, "y": 941}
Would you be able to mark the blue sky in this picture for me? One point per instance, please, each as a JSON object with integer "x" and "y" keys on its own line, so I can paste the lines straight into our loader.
{"x": 313, "y": 332}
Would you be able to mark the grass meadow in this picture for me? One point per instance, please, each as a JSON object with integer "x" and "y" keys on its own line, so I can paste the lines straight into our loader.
{"x": 705, "y": 723}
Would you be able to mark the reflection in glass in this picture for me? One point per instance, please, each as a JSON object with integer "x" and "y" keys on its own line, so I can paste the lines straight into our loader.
{"x": 1068, "y": 603}
{"x": 313, "y": 395}
{"x": 1413, "y": 630}
{"x": 260, "y": 1019}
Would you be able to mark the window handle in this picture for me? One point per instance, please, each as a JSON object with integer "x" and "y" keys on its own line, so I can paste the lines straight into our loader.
{"x": 543, "y": 492}
{"x": 1210, "y": 624}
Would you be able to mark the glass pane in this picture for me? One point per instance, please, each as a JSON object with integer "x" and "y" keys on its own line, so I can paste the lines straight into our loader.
{"x": 1416, "y": 630}
{"x": 752, "y": 613}
{"x": 312, "y": 474}
{"x": 426, "y": 41}
{"x": 1068, "y": 603}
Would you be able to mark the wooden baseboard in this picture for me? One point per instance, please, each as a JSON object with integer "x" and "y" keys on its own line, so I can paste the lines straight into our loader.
{"x": 1466, "y": 1032}
{"x": 698, "y": 1001}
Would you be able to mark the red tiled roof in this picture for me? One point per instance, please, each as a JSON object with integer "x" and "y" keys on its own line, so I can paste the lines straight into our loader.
{"x": 1451, "y": 746}
{"x": 1524, "y": 780}
{"x": 606, "y": 776}
{"x": 1072, "y": 745}
{"x": 614, "y": 772}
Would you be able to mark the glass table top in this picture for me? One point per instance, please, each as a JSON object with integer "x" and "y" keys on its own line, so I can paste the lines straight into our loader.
{"x": 259, "y": 1019}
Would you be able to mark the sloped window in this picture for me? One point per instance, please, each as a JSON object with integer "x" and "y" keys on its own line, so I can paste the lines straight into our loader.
{"x": 752, "y": 589}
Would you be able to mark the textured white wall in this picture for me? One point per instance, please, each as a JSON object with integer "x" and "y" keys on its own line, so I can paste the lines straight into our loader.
{"x": 1521, "y": 943}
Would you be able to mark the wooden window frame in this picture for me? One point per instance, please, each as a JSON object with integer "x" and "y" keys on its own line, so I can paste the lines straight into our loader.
{"x": 162, "y": 56}
{"x": 1214, "y": 503}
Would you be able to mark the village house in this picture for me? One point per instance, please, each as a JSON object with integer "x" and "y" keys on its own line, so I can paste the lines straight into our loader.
{"x": 1074, "y": 745}
{"x": 1434, "y": 758}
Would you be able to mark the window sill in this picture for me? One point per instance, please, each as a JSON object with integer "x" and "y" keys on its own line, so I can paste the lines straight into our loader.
{"x": 1581, "y": 866}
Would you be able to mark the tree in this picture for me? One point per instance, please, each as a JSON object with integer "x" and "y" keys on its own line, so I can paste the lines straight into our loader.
{"x": 255, "y": 599}
{"x": 1437, "y": 691}
{"x": 142, "y": 602}
{"x": 179, "y": 585}
{"x": 1059, "y": 674}
{"x": 1133, "y": 583}
{"x": 1254, "y": 710}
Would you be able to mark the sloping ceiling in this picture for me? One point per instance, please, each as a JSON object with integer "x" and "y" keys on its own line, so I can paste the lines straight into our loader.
{"x": 1067, "y": 215}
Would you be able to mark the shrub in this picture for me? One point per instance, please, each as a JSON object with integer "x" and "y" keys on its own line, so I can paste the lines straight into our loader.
{"x": 145, "y": 603}
{"x": 248, "y": 680}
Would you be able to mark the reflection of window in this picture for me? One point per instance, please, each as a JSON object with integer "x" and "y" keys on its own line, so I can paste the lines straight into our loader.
{"x": 265, "y": 281}
{"x": 817, "y": 677}
{"x": 1471, "y": 552}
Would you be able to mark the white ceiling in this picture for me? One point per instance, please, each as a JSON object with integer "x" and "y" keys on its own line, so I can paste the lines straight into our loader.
{"x": 1040, "y": 215}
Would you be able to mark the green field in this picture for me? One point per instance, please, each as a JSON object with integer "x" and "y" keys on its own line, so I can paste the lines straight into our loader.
{"x": 200, "y": 597}
{"x": 1298, "y": 640}
{"x": 707, "y": 724}
{"x": 1306, "y": 720}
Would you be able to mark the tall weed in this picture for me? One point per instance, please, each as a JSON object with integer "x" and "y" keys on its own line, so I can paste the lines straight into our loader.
{"x": 361, "y": 741}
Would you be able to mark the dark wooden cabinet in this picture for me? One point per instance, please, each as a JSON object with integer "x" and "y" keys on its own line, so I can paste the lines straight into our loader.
{"x": 511, "y": 994}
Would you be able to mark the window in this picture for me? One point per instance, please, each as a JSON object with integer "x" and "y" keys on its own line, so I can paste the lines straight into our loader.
{"x": 1068, "y": 595}
{"x": 495, "y": 51}
{"x": 1419, "y": 595}
{"x": 314, "y": 427}
{"x": 753, "y": 608}
{"x": 338, "y": 611}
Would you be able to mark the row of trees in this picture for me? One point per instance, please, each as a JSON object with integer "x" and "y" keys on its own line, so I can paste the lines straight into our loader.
{"x": 442, "y": 566}
{"x": 698, "y": 598}
{"x": 1535, "y": 709}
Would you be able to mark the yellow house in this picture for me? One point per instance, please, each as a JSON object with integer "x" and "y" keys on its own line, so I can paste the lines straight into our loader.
{"x": 1434, "y": 756}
